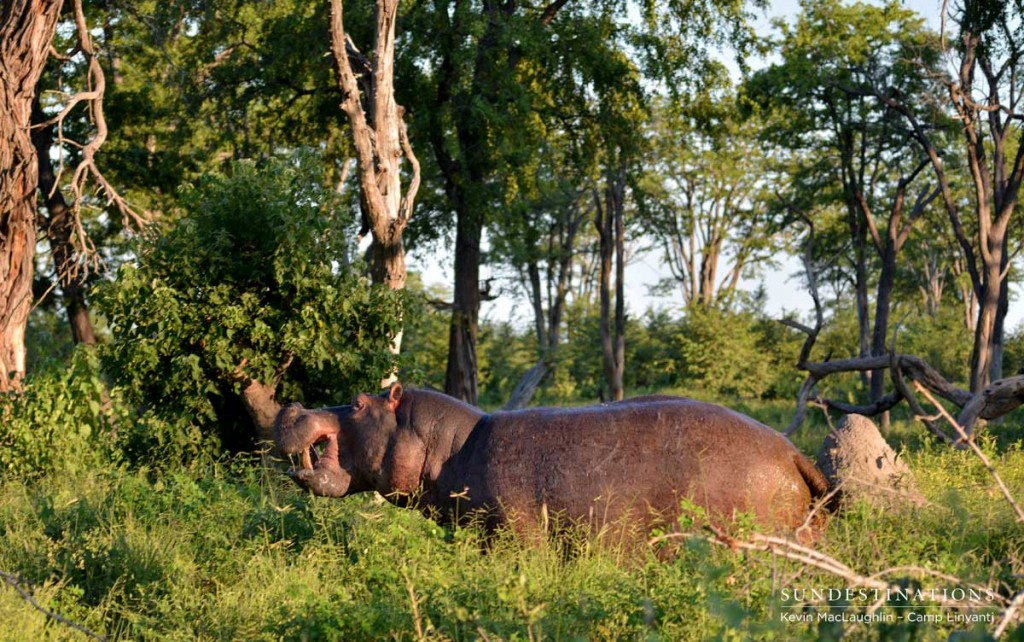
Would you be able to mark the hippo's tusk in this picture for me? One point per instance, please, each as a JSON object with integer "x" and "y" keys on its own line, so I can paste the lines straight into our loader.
{"x": 307, "y": 463}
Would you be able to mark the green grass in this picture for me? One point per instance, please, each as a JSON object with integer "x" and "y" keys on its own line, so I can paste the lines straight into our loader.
{"x": 235, "y": 552}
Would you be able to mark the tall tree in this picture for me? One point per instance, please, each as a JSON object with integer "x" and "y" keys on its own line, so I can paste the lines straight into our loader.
{"x": 985, "y": 95}
{"x": 26, "y": 31}
{"x": 541, "y": 238}
{"x": 381, "y": 141}
{"x": 489, "y": 68}
{"x": 706, "y": 195}
{"x": 476, "y": 103}
{"x": 832, "y": 60}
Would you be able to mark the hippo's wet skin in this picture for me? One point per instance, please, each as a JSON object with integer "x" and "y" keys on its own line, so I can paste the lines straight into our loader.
{"x": 634, "y": 460}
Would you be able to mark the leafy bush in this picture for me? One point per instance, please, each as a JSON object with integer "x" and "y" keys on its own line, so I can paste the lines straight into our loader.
{"x": 425, "y": 337}
{"x": 63, "y": 420}
{"x": 249, "y": 283}
{"x": 722, "y": 354}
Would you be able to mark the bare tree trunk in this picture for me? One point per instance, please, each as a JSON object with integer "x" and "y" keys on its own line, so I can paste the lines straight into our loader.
{"x": 998, "y": 339}
{"x": 985, "y": 329}
{"x": 932, "y": 283}
{"x": 617, "y": 384}
{"x": 537, "y": 301}
{"x": 861, "y": 298}
{"x": 897, "y": 232}
{"x": 883, "y": 301}
{"x": 527, "y": 385}
{"x": 26, "y": 29}
{"x": 381, "y": 141}
{"x": 461, "y": 373}
{"x": 262, "y": 407}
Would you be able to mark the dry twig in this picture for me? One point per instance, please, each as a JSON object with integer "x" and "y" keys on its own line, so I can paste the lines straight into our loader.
{"x": 965, "y": 439}
{"x": 415, "y": 602}
{"x": 16, "y": 585}
{"x": 86, "y": 168}
{"x": 1009, "y": 615}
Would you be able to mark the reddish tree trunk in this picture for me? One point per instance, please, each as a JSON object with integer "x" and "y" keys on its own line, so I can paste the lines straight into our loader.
{"x": 26, "y": 29}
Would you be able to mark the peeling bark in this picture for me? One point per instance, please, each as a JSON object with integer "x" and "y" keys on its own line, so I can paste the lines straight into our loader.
{"x": 381, "y": 142}
{"x": 26, "y": 30}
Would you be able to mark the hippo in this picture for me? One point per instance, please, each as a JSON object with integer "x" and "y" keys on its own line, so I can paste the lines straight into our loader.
{"x": 635, "y": 462}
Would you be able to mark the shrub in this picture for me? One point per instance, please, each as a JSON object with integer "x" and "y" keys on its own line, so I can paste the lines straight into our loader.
{"x": 63, "y": 420}
{"x": 249, "y": 283}
{"x": 722, "y": 355}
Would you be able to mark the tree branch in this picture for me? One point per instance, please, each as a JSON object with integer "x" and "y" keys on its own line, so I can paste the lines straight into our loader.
{"x": 13, "y": 582}
{"x": 966, "y": 439}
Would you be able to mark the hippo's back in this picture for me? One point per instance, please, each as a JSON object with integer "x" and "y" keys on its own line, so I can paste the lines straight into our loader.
{"x": 636, "y": 460}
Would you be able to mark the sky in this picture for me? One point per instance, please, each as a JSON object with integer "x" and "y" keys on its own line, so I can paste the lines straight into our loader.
{"x": 783, "y": 284}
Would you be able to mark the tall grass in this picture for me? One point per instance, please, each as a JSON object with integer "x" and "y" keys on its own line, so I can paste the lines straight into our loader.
{"x": 232, "y": 551}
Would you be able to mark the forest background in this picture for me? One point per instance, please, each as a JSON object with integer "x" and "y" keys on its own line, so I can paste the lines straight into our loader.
{"x": 206, "y": 207}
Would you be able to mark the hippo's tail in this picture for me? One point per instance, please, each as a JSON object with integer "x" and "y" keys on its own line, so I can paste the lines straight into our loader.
{"x": 816, "y": 482}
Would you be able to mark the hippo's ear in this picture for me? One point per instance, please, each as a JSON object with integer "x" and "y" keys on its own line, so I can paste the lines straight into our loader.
{"x": 394, "y": 395}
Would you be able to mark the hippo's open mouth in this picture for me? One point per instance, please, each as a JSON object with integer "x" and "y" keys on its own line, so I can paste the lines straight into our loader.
{"x": 321, "y": 454}
{"x": 311, "y": 434}
{"x": 314, "y": 436}
{"x": 312, "y": 454}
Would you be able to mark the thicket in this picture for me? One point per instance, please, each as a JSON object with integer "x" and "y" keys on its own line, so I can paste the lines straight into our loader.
{"x": 251, "y": 283}
{"x": 731, "y": 354}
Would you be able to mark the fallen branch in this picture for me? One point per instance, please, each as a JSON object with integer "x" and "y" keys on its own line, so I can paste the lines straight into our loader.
{"x": 11, "y": 581}
{"x": 791, "y": 550}
{"x": 1009, "y": 615}
{"x": 997, "y": 399}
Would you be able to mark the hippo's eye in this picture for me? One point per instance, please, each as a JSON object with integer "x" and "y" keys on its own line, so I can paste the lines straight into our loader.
{"x": 357, "y": 405}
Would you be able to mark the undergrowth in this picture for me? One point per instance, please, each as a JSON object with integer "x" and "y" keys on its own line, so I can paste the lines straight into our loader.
{"x": 232, "y": 551}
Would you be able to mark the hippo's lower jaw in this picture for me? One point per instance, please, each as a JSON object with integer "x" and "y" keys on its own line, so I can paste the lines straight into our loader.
{"x": 321, "y": 472}
{"x": 323, "y": 482}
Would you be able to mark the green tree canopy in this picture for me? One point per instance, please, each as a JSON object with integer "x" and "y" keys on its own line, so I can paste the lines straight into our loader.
{"x": 247, "y": 287}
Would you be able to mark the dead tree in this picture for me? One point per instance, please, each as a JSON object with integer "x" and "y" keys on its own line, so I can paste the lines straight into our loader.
{"x": 381, "y": 142}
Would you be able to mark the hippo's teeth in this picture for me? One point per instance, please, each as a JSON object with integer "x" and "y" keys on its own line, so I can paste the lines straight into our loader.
{"x": 307, "y": 464}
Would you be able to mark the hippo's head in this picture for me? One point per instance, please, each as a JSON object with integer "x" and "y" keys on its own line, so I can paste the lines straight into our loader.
{"x": 341, "y": 448}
